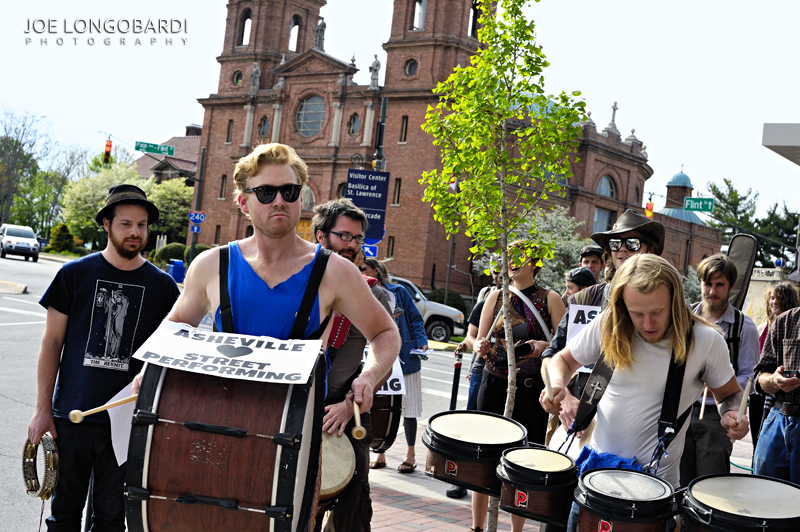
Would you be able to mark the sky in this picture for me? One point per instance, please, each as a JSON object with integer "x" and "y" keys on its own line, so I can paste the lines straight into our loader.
{"x": 696, "y": 80}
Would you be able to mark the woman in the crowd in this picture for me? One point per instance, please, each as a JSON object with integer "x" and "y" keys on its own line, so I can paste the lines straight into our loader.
{"x": 412, "y": 332}
{"x": 530, "y": 341}
{"x": 778, "y": 299}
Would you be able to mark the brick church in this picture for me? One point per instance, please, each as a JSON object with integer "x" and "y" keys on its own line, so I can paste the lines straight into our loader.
{"x": 277, "y": 84}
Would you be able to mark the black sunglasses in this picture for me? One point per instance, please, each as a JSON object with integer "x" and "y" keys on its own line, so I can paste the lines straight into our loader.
{"x": 633, "y": 244}
{"x": 267, "y": 193}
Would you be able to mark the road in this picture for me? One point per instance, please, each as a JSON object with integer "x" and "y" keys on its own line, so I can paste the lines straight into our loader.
{"x": 21, "y": 327}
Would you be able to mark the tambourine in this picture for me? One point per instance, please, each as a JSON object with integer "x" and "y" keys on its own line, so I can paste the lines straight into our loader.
{"x": 49, "y": 467}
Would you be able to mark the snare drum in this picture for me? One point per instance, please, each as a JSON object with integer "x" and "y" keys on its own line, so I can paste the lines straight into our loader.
{"x": 537, "y": 484}
{"x": 624, "y": 501}
{"x": 338, "y": 466}
{"x": 464, "y": 448}
{"x": 208, "y": 453}
{"x": 741, "y": 503}
{"x": 385, "y": 413}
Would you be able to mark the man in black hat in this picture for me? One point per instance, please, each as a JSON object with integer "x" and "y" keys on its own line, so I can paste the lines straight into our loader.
{"x": 592, "y": 258}
{"x": 577, "y": 279}
{"x": 100, "y": 309}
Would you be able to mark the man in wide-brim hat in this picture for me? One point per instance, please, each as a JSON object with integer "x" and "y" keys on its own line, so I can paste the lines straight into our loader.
{"x": 100, "y": 310}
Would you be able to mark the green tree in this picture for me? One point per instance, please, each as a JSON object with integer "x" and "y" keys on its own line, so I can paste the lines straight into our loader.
{"x": 61, "y": 239}
{"x": 734, "y": 212}
{"x": 33, "y": 207}
{"x": 119, "y": 156}
{"x": 173, "y": 199}
{"x": 85, "y": 197}
{"x": 504, "y": 143}
{"x": 780, "y": 225}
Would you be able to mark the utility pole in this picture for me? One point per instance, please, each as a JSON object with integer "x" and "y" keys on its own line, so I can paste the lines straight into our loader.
{"x": 197, "y": 198}
{"x": 379, "y": 163}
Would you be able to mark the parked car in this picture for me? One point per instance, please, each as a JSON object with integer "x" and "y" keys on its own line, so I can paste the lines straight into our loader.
{"x": 18, "y": 240}
{"x": 441, "y": 321}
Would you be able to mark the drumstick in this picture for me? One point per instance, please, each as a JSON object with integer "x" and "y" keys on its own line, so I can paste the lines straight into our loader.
{"x": 743, "y": 406}
{"x": 76, "y": 416}
{"x": 358, "y": 431}
{"x": 546, "y": 375}
{"x": 703, "y": 405}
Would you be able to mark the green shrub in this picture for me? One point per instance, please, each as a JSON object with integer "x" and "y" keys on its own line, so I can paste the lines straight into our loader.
{"x": 80, "y": 250}
{"x": 198, "y": 249}
{"x": 152, "y": 256}
{"x": 60, "y": 239}
{"x": 47, "y": 249}
{"x": 171, "y": 251}
{"x": 454, "y": 299}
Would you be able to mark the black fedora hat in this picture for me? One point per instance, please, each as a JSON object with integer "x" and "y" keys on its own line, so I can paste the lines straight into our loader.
{"x": 632, "y": 221}
{"x": 127, "y": 195}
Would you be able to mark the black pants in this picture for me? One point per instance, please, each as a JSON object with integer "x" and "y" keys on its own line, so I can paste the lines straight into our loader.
{"x": 527, "y": 410}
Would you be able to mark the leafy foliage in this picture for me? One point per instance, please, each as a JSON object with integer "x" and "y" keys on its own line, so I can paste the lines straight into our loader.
{"x": 173, "y": 199}
{"x": 454, "y": 299}
{"x": 732, "y": 208}
{"x": 171, "y": 251}
{"x": 691, "y": 287}
{"x": 61, "y": 239}
{"x": 198, "y": 249}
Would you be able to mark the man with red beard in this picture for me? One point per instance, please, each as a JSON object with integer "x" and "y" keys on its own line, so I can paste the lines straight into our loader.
{"x": 339, "y": 226}
{"x": 100, "y": 309}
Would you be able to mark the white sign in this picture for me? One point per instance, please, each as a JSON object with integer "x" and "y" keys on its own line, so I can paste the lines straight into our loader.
{"x": 232, "y": 356}
{"x": 579, "y": 317}
{"x": 395, "y": 385}
{"x": 120, "y": 417}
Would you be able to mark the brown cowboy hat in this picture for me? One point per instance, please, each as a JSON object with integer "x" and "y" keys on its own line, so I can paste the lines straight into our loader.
{"x": 127, "y": 195}
{"x": 632, "y": 221}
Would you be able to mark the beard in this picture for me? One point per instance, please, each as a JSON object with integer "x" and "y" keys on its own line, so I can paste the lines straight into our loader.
{"x": 123, "y": 249}
{"x": 346, "y": 253}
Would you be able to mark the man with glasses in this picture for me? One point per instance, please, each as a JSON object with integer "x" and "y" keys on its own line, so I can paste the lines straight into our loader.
{"x": 339, "y": 226}
{"x": 268, "y": 273}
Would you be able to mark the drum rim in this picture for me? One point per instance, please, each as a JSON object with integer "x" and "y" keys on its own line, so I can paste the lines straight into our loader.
{"x": 489, "y": 454}
{"x": 516, "y": 467}
{"x": 728, "y": 517}
{"x": 563, "y": 482}
{"x": 484, "y": 446}
{"x": 656, "y": 509}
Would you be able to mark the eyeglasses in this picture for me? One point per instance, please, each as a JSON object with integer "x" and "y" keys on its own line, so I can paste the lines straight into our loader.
{"x": 633, "y": 244}
{"x": 347, "y": 237}
{"x": 267, "y": 193}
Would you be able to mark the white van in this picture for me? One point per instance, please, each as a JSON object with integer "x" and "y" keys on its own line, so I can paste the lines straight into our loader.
{"x": 18, "y": 240}
{"x": 441, "y": 321}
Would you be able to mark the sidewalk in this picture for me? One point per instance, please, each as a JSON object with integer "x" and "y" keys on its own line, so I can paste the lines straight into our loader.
{"x": 413, "y": 502}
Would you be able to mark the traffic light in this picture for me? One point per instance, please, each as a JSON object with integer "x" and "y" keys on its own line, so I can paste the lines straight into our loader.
{"x": 107, "y": 152}
{"x": 648, "y": 209}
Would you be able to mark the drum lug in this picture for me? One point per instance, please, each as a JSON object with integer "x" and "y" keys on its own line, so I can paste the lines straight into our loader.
{"x": 633, "y": 509}
{"x": 764, "y": 526}
{"x": 143, "y": 417}
{"x": 479, "y": 451}
{"x": 132, "y": 493}
{"x": 285, "y": 439}
{"x": 546, "y": 478}
{"x": 279, "y": 512}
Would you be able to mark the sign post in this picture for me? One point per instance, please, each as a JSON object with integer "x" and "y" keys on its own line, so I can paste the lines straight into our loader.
{"x": 698, "y": 204}
{"x": 161, "y": 149}
{"x": 369, "y": 191}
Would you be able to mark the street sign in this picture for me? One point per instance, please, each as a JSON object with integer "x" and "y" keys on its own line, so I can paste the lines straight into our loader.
{"x": 162, "y": 149}
{"x": 370, "y": 251}
{"x": 197, "y": 217}
{"x": 194, "y": 228}
{"x": 369, "y": 191}
{"x": 698, "y": 204}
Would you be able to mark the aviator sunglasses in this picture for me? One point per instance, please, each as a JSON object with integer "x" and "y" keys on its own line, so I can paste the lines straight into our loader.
{"x": 267, "y": 193}
{"x": 633, "y": 244}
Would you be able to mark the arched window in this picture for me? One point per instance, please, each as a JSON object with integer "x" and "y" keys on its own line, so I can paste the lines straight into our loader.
{"x": 310, "y": 116}
{"x": 309, "y": 201}
{"x": 636, "y": 199}
{"x": 341, "y": 190}
{"x": 294, "y": 33}
{"x": 411, "y": 67}
{"x": 244, "y": 28}
{"x": 419, "y": 14}
{"x": 474, "y": 15}
{"x": 354, "y": 125}
{"x": 263, "y": 127}
{"x": 603, "y": 220}
{"x": 606, "y": 187}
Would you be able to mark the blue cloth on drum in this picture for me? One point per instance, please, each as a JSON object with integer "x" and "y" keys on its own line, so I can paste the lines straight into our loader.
{"x": 590, "y": 458}
{"x": 250, "y": 295}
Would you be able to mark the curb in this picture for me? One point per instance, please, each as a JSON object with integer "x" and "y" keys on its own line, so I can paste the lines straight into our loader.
{"x": 7, "y": 287}
{"x": 55, "y": 258}
{"x": 441, "y": 346}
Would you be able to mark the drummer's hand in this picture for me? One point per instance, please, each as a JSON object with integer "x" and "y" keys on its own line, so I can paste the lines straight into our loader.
{"x": 553, "y": 407}
{"x": 137, "y": 382}
{"x": 736, "y": 431}
{"x": 338, "y": 416}
{"x": 363, "y": 390}
{"x": 569, "y": 407}
{"x": 482, "y": 347}
{"x": 41, "y": 422}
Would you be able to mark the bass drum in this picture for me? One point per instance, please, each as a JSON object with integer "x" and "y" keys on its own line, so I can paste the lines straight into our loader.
{"x": 464, "y": 448}
{"x": 741, "y": 503}
{"x": 537, "y": 484}
{"x": 386, "y": 413}
{"x": 209, "y": 453}
{"x": 624, "y": 501}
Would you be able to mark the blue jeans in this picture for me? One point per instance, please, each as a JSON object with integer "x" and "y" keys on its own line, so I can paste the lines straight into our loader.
{"x": 83, "y": 449}
{"x": 474, "y": 385}
{"x": 777, "y": 453}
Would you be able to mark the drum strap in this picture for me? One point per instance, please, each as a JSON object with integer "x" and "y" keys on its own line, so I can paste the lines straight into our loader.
{"x": 225, "y": 312}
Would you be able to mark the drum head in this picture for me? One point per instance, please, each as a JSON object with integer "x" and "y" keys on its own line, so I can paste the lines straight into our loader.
{"x": 627, "y": 485}
{"x": 470, "y": 427}
{"x": 748, "y": 496}
{"x": 338, "y": 464}
{"x": 539, "y": 460}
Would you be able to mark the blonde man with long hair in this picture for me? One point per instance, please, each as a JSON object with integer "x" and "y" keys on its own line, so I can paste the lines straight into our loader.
{"x": 646, "y": 323}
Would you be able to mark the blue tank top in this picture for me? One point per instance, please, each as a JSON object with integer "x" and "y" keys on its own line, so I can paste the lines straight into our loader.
{"x": 259, "y": 310}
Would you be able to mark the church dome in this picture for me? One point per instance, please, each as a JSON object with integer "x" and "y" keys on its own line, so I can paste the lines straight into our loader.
{"x": 680, "y": 180}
